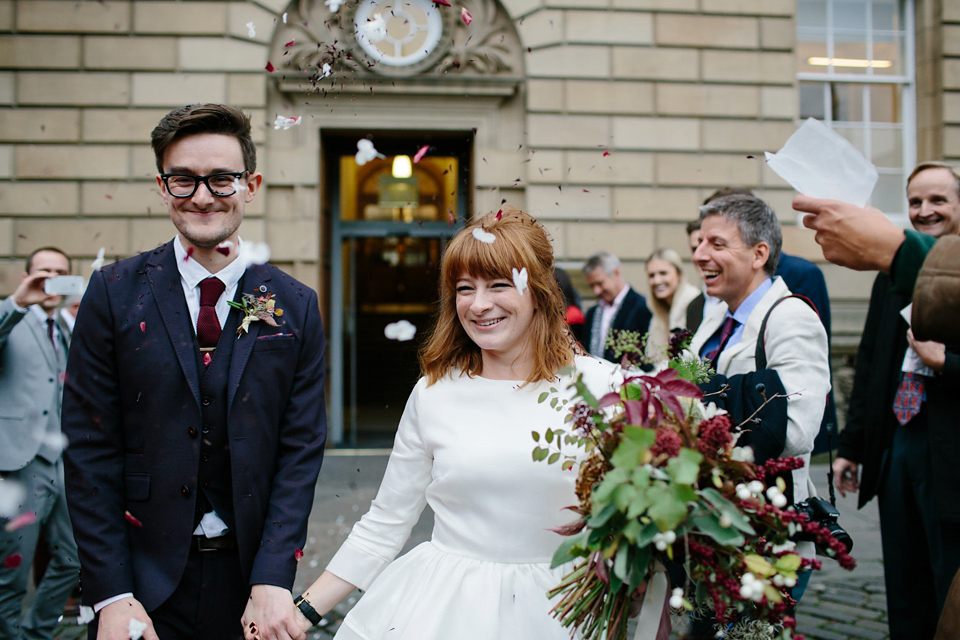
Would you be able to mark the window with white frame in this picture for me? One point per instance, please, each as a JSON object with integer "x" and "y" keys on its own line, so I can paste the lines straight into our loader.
{"x": 855, "y": 72}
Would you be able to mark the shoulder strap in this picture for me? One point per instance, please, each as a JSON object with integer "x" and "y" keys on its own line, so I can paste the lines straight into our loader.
{"x": 760, "y": 355}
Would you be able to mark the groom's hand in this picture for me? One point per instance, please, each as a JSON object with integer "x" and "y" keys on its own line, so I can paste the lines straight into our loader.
{"x": 270, "y": 609}
{"x": 115, "y": 620}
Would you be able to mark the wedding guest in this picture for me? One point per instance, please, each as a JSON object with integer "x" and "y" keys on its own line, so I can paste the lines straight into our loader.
{"x": 619, "y": 307}
{"x": 463, "y": 446}
{"x": 670, "y": 295}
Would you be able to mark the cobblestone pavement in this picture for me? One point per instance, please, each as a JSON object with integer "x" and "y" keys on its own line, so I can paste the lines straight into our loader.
{"x": 838, "y": 604}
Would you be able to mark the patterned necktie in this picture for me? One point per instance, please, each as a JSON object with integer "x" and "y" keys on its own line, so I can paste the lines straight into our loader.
{"x": 910, "y": 395}
{"x": 208, "y": 324}
{"x": 725, "y": 332}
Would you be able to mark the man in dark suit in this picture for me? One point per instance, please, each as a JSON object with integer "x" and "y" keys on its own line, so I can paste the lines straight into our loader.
{"x": 902, "y": 428}
{"x": 196, "y": 429}
{"x": 619, "y": 307}
{"x": 33, "y": 356}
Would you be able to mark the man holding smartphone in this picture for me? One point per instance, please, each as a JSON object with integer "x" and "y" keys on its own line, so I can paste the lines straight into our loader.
{"x": 33, "y": 358}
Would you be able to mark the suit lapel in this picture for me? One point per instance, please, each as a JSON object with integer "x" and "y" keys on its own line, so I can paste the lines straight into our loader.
{"x": 164, "y": 278}
{"x": 255, "y": 280}
{"x": 40, "y": 333}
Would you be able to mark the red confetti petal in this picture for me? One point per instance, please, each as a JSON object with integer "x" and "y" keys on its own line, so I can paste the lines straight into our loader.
{"x": 291, "y": 43}
{"x": 298, "y": 554}
{"x": 207, "y": 359}
{"x": 143, "y": 327}
{"x": 606, "y": 153}
{"x": 465, "y": 16}
{"x": 224, "y": 250}
{"x": 12, "y": 561}
{"x": 443, "y": 2}
{"x": 132, "y": 519}
{"x": 21, "y": 520}
{"x": 189, "y": 253}
{"x": 270, "y": 68}
{"x": 422, "y": 151}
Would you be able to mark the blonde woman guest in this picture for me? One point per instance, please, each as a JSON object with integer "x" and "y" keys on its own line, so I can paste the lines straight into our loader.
{"x": 464, "y": 447}
{"x": 670, "y": 295}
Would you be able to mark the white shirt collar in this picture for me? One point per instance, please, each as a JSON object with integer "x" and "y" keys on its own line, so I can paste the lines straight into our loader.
{"x": 193, "y": 272}
{"x": 618, "y": 300}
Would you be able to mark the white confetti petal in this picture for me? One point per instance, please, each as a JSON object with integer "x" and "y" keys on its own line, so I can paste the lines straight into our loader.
{"x": 334, "y": 5}
{"x": 520, "y": 279}
{"x": 251, "y": 30}
{"x": 285, "y": 122}
{"x": 366, "y": 152}
{"x": 326, "y": 70}
{"x": 99, "y": 261}
{"x": 136, "y": 629}
{"x": 284, "y": 17}
{"x": 374, "y": 29}
{"x": 483, "y": 236}
{"x": 86, "y": 615}
{"x": 253, "y": 253}
{"x": 12, "y": 494}
{"x": 401, "y": 331}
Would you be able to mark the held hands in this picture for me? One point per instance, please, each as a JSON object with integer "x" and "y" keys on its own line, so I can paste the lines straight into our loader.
{"x": 845, "y": 476}
{"x": 860, "y": 238}
{"x": 115, "y": 620}
{"x": 270, "y": 615}
{"x": 933, "y": 354}
{"x": 30, "y": 290}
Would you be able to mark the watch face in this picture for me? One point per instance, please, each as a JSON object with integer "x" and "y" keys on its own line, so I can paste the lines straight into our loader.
{"x": 398, "y": 33}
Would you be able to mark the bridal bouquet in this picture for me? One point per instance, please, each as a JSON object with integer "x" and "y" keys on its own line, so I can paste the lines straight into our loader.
{"x": 664, "y": 482}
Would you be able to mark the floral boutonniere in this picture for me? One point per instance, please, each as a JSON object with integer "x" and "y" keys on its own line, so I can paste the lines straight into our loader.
{"x": 257, "y": 307}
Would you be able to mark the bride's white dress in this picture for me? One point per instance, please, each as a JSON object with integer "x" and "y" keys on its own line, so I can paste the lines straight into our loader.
{"x": 464, "y": 447}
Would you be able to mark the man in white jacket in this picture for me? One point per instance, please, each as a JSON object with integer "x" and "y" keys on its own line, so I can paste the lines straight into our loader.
{"x": 739, "y": 248}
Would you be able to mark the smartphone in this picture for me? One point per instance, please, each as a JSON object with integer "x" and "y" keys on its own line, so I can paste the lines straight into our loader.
{"x": 63, "y": 285}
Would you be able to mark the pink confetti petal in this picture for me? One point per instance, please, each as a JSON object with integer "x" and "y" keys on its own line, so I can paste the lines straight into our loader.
{"x": 143, "y": 327}
{"x": 291, "y": 43}
{"x": 21, "y": 520}
{"x": 12, "y": 561}
{"x": 465, "y": 16}
{"x": 442, "y": 2}
{"x": 422, "y": 151}
{"x": 606, "y": 153}
{"x": 132, "y": 519}
{"x": 298, "y": 554}
{"x": 207, "y": 359}
{"x": 270, "y": 68}
{"x": 189, "y": 253}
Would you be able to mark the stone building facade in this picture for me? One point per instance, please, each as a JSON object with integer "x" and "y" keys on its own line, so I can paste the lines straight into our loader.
{"x": 608, "y": 119}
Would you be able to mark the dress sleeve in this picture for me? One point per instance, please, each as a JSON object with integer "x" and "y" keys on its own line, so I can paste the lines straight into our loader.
{"x": 378, "y": 537}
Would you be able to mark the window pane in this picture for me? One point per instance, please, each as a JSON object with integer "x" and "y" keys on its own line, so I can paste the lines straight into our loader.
{"x": 888, "y": 54}
{"x": 847, "y": 102}
{"x": 887, "y": 147}
{"x": 886, "y": 15}
{"x": 811, "y": 13}
{"x": 885, "y": 103}
{"x": 889, "y": 195}
{"x": 853, "y": 134}
{"x": 811, "y": 100}
{"x": 812, "y": 56}
{"x": 850, "y": 53}
{"x": 849, "y": 14}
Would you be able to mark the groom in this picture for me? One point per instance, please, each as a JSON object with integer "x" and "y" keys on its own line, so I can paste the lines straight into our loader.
{"x": 194, "y": 447}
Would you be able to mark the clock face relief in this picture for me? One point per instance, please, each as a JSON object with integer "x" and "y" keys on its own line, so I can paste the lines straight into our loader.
{"x": 398, "y": 33}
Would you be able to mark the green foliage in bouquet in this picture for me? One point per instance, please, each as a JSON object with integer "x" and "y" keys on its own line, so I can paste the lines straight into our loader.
{"x": 663, "y": 481}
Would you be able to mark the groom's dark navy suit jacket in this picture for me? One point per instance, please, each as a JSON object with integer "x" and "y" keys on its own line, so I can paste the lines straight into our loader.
{"x": 132, "y": 415}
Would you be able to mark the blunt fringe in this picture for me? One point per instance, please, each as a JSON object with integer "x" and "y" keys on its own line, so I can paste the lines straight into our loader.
{"x": 204, "y": 118}
{"x": 520, "y": 242}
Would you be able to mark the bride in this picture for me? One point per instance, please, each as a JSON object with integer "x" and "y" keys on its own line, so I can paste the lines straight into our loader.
{"x": 464, "y": 447}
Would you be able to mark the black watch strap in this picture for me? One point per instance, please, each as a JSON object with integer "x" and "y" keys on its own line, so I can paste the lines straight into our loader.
{"x": 307, "y": 610}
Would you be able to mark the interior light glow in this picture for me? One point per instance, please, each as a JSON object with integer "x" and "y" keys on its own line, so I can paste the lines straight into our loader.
{"x": 402, "y": 167}
{"x": 858, "y": 63}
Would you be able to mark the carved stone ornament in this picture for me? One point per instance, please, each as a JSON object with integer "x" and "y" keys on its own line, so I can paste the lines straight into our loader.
{"x": 416, "y": 38}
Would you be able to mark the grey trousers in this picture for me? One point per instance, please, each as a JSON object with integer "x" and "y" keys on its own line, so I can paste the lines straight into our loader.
{"x": 43, "y": 483}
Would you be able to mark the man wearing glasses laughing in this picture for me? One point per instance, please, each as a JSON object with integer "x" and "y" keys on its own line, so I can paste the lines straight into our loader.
{"x": 196, "y": 426}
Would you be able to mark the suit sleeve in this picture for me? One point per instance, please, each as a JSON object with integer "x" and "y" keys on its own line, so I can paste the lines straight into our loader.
{"x": 9, "y": 317}
{"x": 796, "y": 348}
{"x": 93, "y": 459}
{"x": 851, "y": 440}
{"x": 303, "y": 432}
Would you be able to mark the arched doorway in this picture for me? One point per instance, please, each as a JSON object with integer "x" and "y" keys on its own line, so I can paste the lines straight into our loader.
{"x": 432, "y": 81}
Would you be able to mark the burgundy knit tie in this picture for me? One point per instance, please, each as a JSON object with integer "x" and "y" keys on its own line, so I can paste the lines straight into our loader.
{"x": 208, "y": 324}
{"x": 725, "y": 332}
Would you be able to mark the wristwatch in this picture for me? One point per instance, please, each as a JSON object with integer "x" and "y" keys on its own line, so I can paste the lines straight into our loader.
{"x": 307, "y": 610}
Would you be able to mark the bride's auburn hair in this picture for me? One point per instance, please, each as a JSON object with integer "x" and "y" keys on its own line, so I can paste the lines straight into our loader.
{"x": 519, "y": 242}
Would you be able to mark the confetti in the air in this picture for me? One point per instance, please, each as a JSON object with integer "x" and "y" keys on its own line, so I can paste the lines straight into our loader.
{"x": 143, "y": 327}
{"x": 374, "y": 29}
{"x": 483, "y": 236}
{"x": 284, "y": 17}
{"x": 334, "y": 5}
{"x": 520, "y": 279}
{"x": 86, "y": 615}
{"x": 253, "y": 253}
{"x": 401, "y": 330}
{"x": 136, "y": 629}
{"x": 21, "y": 520}
{"x": 465, "y": 16}
{"x": 285, "y": 122}
{"x": 421, "y": 152}
{"x": 132, "y": 519}
{"x": 326, "y": 70}
{"x": 99, "y": 261}
{"x": 225, "y": 247}
{"x": 270, "y": 68}
{"x": 442, "y": 2}
{"x": 298, "y": 554}
{"x": 12, "y": 494}
{"x": 605, "y": 153}
{"x": 251, "y": 30}
{"x": 366, "y": 152}
{"x": 12, "y": 561}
